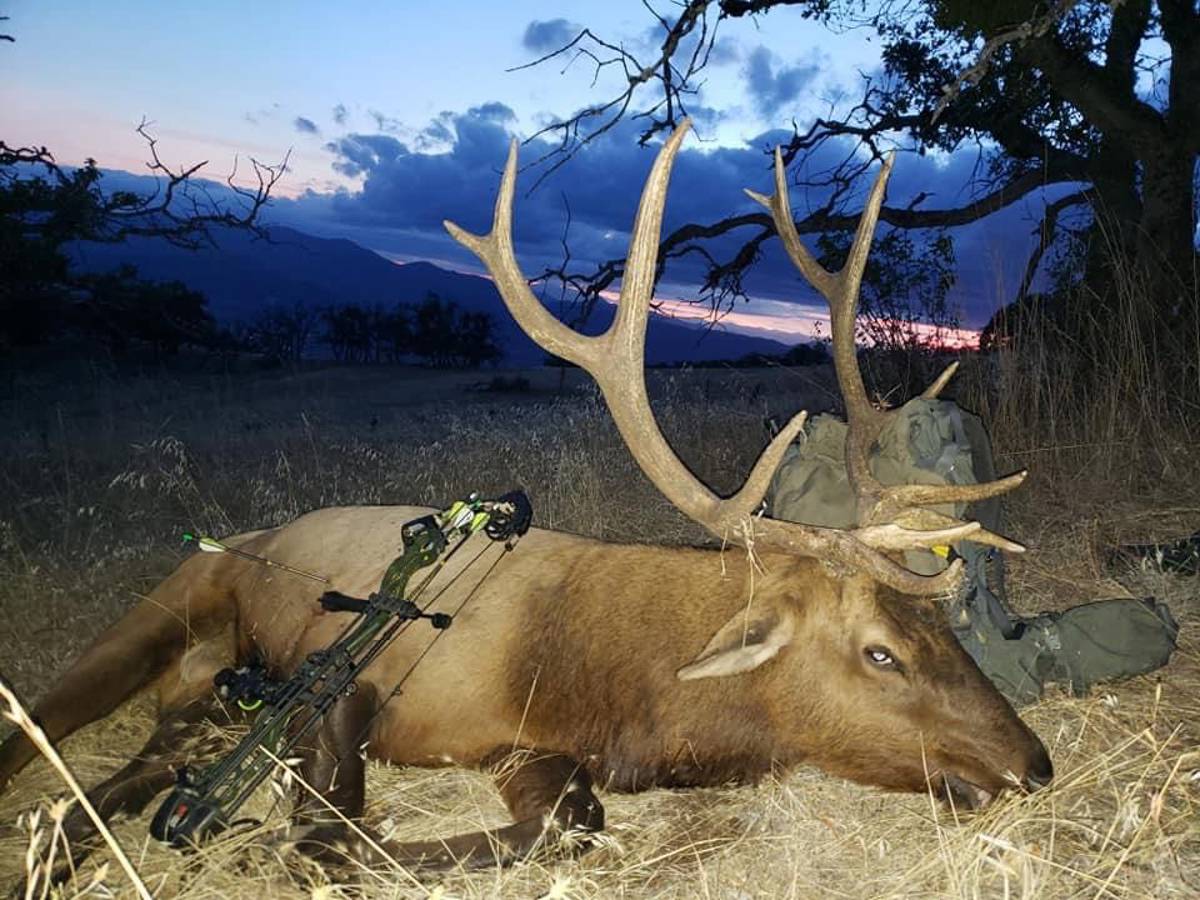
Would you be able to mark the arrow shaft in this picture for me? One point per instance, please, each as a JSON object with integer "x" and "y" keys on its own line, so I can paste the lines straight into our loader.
{"x": 212, "y": 544}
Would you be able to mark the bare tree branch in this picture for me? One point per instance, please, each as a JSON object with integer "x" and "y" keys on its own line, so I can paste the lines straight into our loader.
{"x": 585, "y": 126}
{"x": 180, "y": 210}
{"x": 1021, "y": 33}
{"x": 1046, "y": 60}
{"x": 722, "y": 284}
{"x": 1047, "y": 231}
{"x": 1082, "y": 83}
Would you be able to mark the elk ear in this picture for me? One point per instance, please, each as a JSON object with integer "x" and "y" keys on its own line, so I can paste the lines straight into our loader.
{"x": 743, "y": 643}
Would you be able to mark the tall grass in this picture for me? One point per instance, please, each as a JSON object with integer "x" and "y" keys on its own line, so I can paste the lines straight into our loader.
{"x": 1094, "y": 392}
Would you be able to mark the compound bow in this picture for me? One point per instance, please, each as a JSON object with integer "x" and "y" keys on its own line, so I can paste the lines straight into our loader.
{"x": 205, "y": 802}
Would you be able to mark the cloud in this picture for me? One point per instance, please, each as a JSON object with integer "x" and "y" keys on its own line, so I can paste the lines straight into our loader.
{"x": 359, "y": 154}
{"x": 549, "y": 35}
{"x": 385, "y": 122}
{"x": 266, "y": 112}
{"x": 438, "y": 133}
{"x": 305, "y": 126}
{"x": 494, "y": 111}
{"x": 772, "y": 86}
{"x": 340, "y": 114}
{"x": 707, "y": 118}
{"x": 724, "y": 52}
{"x": 406, "y": 192}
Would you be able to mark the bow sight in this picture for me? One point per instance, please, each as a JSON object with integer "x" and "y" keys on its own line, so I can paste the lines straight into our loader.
{"x": 205, "y": 802}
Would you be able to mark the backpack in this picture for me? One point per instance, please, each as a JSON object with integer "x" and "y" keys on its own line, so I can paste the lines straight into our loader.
{"x": 932, "y": 441}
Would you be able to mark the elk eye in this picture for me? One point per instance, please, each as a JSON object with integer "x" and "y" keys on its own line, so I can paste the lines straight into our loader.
{"x": 880, "y": 656}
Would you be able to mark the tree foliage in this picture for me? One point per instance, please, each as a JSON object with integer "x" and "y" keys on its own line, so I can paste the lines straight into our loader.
{"x": 434, "y": 331}
{"x": 1093, "y": 105}
{"x": 44, "y": 207}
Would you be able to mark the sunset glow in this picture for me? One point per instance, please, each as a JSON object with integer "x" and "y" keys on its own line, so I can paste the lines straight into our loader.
{"x": 804, "y": 324}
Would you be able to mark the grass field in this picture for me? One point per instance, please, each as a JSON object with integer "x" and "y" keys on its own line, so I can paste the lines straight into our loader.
{"x": 100, "y": 475}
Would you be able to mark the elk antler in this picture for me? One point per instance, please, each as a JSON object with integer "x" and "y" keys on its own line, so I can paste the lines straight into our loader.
{"x": 615, "y": 360}
{"x": 876, "y": 504}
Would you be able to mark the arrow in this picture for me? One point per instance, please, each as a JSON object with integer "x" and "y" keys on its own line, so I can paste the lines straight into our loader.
{"x": 212, "y": 545}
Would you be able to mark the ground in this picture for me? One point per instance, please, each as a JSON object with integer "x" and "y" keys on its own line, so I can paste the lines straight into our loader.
{"x": 100, "y": 474}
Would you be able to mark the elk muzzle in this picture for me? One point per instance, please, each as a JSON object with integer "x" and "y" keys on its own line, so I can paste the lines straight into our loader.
{"x": 973, "y": 778}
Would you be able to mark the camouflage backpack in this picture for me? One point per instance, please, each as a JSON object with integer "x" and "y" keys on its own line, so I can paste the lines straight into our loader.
{"x": 935, "y": 442}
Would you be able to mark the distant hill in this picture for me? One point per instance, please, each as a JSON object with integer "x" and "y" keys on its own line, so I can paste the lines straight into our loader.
{"x": 242, "y": 276}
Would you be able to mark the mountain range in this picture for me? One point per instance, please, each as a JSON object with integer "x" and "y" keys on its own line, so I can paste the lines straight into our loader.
{"x": 242, "y": 276}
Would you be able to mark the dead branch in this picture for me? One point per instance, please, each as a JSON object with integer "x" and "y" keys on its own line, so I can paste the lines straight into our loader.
{"x": 722, "y": 285}
{"x": 1021, "y": 33}
{"x": 1046, "y": 231}
{"x": 181, "y": 209}
{"x": 678, "y": 83}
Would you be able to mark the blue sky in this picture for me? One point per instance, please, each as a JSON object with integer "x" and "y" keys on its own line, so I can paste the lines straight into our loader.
{"x": 397, "y": 116}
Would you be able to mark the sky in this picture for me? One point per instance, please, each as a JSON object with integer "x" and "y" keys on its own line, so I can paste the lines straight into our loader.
{"x": 397, "y": 116}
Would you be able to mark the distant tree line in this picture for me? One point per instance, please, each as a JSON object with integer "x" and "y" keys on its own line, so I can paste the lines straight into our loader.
{"x": 815, "y": 354}
{"x": 435, "y": 332}
{"x": 45, "y": 209}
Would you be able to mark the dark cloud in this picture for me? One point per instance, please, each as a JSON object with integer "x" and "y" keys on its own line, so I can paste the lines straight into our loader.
{"x": 405, "y": 194}
{"x": 359, "y": 154}
{"x": 544, "y": 37}
{"x": 494, "y": 111}
{"x": 438, "y": 133}
{"x": 706, "y": 118}
{"x": 385, "y": 122}
{"x": 305, "y": 126}
{"x": 773, "y": 87}
{"x": 340, "y": 113}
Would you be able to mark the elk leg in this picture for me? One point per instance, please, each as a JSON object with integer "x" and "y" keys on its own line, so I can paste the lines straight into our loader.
{"x": 327, "y": 827}
{"x": 183, "y": 636}
{"x": 179, "y": 738}
{"x": 547, "y": 795}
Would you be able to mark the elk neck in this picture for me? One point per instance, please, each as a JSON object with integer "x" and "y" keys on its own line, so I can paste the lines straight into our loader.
{"x": 596, "y": 664}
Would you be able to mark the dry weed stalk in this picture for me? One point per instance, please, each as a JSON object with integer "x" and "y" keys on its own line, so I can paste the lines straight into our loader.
{"x": 18, "y": 716}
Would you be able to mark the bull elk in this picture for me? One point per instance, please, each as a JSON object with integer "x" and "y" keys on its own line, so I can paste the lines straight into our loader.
{"x": 586, "y": 663}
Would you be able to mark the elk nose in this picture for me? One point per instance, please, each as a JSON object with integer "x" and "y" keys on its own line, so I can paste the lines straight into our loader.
{"x": 1041, "y": 770}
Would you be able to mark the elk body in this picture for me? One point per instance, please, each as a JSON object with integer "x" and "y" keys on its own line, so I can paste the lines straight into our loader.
{"x": 579, "y": 663}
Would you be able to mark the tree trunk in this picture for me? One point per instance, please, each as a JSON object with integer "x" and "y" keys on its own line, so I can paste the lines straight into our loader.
{"x": 1166, "y": 245}
{"x": 1144, "y": 236}
{"x": 1118, "y": 213}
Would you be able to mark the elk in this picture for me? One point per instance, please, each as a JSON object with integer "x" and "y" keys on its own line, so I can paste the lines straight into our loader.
{"x": 584, "y": 663}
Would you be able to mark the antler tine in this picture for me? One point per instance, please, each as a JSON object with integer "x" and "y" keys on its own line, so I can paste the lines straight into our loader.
{"x": 900, "y": 496}
{"x": 495, "y": 250}
{"x": 615, "y": 358}
{"x": 861, "y": 549}
{"x": 934, "y": 390}
{"x": 890, "y": 518}
{"x": 840, "y": 291}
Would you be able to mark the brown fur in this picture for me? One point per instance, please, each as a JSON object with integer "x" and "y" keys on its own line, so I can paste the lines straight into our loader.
{"x": 575, "y": 649}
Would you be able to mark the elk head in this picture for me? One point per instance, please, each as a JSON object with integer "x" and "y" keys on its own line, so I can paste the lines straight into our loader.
{"x": 900, "y": 704}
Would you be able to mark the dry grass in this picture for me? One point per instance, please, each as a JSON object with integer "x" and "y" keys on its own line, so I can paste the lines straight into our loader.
{"x": 39, "y": 863}
{"x": 99, "y": 481}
